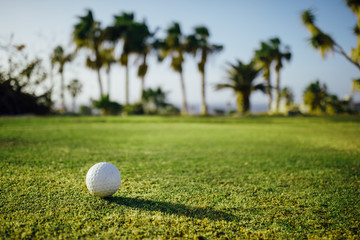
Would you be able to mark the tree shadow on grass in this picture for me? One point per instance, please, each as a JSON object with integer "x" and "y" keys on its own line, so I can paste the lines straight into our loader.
{"x": 173, "y": 208}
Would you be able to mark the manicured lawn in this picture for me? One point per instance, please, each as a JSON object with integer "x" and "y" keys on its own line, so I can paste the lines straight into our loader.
{"x": 269, "y": 177}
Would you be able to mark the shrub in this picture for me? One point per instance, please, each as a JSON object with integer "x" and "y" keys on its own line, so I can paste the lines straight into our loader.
{"x": 85, "y": 110}
{"x": 134, "y": 109}
{"x": 107, "y": 107}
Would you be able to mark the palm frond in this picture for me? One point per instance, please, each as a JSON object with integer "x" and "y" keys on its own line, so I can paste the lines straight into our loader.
{"x": 202, "y": 31}
{"x": 259, "y": 87}
{"x": 90, "y": 63}
{"x": 192, "y": 44}
{"x": 308, "y": 17}
{"x": 174, "y": 29}
{"x": 354, "y": 5}
{"x": 322, "y": 42}
{"x": 223, "y": 86}
{"x": 176, "y": 63}
{"x": 275, "y": 42}
{"x": 142, "y": 70}
{"x": 355, "y": 85}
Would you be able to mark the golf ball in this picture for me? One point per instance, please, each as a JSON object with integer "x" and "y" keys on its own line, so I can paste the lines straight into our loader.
{"x": 103, "y": 179}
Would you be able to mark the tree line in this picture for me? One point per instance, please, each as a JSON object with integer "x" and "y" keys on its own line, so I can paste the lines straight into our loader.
{"x": 134, "y": 38}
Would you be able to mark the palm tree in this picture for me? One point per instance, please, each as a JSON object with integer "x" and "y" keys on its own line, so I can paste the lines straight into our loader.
{"x": 88, "y": 34}
{"x": 241, "y": 80}
{"x": 288, "y": 95}
{"x": 60, "y": 58}
{"x": 143, "y": 49}
{"x": 265, "y": 57}
{"x": 315, "y": 96}
{"x": 174, "y": 46}
{"x": 123, "y": 23}
{"x": 74, "y": 88}
{"x": 142, "y": 70}
{"x": 278, "y": 57}
{"x": 198, "y": 43}
{"x": 125, "y": 29}
{"x": 324, "y": 42}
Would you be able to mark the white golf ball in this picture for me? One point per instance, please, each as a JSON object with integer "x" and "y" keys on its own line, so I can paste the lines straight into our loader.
{"x": 103, "y": 179}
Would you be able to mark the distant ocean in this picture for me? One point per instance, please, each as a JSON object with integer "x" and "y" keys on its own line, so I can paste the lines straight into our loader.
{"x": 213, "y": 108}
{"x": 216, "y": 107}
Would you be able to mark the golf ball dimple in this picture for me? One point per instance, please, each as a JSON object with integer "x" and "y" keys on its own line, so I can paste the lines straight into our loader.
{"x": 103, "y": 179}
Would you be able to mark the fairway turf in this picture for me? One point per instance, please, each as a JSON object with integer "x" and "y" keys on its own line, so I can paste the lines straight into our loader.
{"x": 270, "y": 177}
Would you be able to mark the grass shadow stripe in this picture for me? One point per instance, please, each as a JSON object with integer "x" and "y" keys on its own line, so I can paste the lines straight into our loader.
{"x": 173, "y": 208}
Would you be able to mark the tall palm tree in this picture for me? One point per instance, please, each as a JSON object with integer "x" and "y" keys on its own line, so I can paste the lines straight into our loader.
{"x": 88, "y": 34}
{"x": 174, "y": 46}
{"x": 324, "y": 42}
{"x": 123, "y": 23}
{"x": 278, "y": 58}
{"x": 144, "y": 46}
{"x": 58, "y": 57}
{"x": 265, "y": 57}
{"x": 241, "y": 80}
{"x": 74, "y": 88}
{"x": 125, "y": 29}
{"x": 198, "y": 44}
{"x": 142, "y": 70}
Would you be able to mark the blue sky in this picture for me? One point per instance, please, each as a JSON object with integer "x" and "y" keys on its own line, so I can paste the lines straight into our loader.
{"x": 239, "y": 25}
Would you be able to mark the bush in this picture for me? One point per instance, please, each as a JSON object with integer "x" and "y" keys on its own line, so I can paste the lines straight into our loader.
{"x": 170, "y": 110}
{"x": 154, "y": 102}
{"x": 107, "y": 107}
{"x": 134, "y": 109}
{"x": 85, "y": 110}
{"x": 15, "y": 101}
{"x": 18, "y": 83}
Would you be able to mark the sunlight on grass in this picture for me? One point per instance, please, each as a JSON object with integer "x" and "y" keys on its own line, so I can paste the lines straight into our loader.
{"x": 181, "y": 177}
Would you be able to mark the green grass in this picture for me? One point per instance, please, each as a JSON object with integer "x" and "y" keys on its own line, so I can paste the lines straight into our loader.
{"x": 269, "y": 177}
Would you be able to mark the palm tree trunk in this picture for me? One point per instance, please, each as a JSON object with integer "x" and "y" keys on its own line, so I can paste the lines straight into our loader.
{"x": 339, "y": 50}
{"x": 142, "y": 76}
{"x": 268, "y": 92}
{"x": 277, "y": 90}
{"x": 62, "y": 95}
{"x": 100, "y": 83}
{"x": 142, "y": 79}
{"x": 184, "y": 110}
{"x": 108, "y": 82}
{"x": 243, "y": 103}
{"x": 203, "y": 100}
{"x": 126, "y": 84}
{"x": 73, "y": 103}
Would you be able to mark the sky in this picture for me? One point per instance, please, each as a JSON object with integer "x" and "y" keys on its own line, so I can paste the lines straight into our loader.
{"x": 239, "y": 25}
